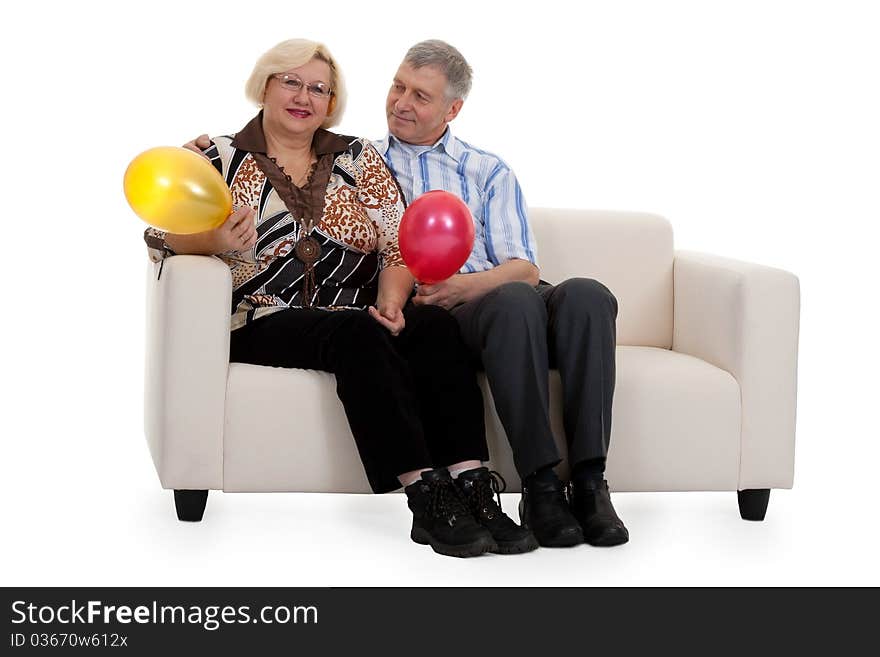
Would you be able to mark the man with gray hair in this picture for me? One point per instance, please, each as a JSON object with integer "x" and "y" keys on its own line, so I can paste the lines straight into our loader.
{"x": 516, "y": 325}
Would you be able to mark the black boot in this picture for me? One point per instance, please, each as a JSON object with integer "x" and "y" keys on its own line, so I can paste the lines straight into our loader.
{"x": 441, "y": 518}
{"x": 478, "y": 486}
{"x": 591, "y": 505}
{"x": 544, "y": 510}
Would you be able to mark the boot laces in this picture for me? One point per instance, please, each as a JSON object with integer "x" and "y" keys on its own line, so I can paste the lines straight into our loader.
{"x": 483, "y": 500}
{"x": 446, "y": 502}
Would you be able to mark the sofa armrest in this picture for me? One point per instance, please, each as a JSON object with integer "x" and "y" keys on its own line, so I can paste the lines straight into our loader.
{"x": 187, "y": 361}
{"x": 744, "y": 318}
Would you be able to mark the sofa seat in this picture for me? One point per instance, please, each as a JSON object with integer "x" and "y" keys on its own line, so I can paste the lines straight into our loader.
{"x": 285, "y": 430}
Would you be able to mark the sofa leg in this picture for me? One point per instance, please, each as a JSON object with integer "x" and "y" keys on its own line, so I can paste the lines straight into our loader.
{"x": 753, "y": 503}
{"x": 190, "y": 504}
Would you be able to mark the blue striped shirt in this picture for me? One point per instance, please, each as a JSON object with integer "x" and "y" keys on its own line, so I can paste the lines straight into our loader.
{"x": 482, "y": 180}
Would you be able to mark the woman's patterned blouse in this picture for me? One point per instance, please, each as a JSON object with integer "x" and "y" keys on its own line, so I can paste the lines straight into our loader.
{"x": 352, "y": 200}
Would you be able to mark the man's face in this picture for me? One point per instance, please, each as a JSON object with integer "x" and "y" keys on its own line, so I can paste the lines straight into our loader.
{"x": 417, "y": 107}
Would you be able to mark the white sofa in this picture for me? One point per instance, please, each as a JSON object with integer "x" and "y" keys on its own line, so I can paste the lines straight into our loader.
{"x": 706, "y": 376}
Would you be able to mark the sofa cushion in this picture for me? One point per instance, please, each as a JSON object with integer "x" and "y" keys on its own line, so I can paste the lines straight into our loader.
{"x": 676, "y": 426}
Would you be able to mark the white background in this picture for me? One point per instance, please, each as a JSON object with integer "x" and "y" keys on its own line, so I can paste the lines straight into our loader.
{"x": 752, "y": 126}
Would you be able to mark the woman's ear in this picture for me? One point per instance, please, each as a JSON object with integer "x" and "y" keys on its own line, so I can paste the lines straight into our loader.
{"x": 331, "y": 105}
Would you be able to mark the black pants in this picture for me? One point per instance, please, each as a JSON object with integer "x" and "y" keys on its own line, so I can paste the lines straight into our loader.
{"x": 518, "y": 332}
{"x": 412, "y": 401}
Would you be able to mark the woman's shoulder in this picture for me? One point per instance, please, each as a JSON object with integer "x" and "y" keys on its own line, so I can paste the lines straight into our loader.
{"x": 359, "y": 151}
{"x": 223, "y": 143}
{"x": 342, "y": 145}
{"x": 220, "y": 148}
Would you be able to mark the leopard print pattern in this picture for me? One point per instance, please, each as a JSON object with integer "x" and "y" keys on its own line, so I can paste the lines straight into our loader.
{"x": 377, "y": 187}
{"x": 242, "y": 272}
{"x": 366, "y": 217}
{"x": 248, "y": 183}
{"x": 379, "y": 192}
{"x": 344, "y": 220}
{"x": 258, "y": 300}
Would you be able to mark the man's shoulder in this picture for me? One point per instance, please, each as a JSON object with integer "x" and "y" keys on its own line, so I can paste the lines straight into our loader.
{"x": 381, "y": 145}
{"x": 485, "y": 162}
{"x": 467, "y": 146}
{"x": 460, "y": 146}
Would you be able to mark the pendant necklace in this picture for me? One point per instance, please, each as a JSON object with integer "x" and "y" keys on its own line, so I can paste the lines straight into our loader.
{"x": 307, "y": 249}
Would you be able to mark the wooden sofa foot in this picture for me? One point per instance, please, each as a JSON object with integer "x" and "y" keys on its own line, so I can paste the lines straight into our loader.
{"x": 190, "y": 504}
{"x": 753, "y": 503}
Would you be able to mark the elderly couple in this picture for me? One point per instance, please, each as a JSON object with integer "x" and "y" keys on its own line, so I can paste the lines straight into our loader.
{"x": 319, "y": 283}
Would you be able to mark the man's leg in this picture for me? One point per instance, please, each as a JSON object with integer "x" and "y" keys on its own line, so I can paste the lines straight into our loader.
{"x": 506, "y": 330}
{"x": 582, "y": 338}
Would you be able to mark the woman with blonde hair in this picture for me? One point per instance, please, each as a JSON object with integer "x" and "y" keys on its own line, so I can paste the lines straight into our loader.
{"x": 319, "y": 283}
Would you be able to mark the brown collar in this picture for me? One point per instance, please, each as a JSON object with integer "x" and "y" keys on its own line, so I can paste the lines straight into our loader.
{"x": 251, "y": 138}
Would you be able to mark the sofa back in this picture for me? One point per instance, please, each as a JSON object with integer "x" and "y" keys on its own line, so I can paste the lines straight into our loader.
{"x": 631, "y": 253}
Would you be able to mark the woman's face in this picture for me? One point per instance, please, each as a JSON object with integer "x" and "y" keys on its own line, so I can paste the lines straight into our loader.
{"x": 299, "y": 112}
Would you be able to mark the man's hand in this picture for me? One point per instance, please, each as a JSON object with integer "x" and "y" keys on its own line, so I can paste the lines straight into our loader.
{"x": 237, "y": 233}
{"x": 446, "y": 294}
{"x": 390, "y": 316}
{"x": 198, "y": 144}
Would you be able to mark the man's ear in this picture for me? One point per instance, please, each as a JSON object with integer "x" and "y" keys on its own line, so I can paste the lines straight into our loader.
{"x": 454, "y": 109}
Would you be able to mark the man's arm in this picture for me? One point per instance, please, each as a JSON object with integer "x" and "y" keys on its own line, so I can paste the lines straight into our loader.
{"x": 462, "y": 288}
{"x": 508, "y": 242}
{"x": 199, "y": 145}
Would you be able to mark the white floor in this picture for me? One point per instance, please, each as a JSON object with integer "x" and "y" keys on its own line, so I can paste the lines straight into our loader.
{"x": 118, "y": 530}
{"x": 80, "y": 501}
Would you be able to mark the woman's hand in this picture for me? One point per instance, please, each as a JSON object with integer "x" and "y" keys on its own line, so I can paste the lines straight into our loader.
{"x": 390, "y": 316}
{"x": 237, "y": 233}
{"x": 395, "y": 285}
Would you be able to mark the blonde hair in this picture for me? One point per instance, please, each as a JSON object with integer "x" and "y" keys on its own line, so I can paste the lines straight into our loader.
{"x": 293, "y": 53}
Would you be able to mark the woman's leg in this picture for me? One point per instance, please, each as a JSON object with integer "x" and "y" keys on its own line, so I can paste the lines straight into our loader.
{"x": 373, "y": 381}
{"x": 445, "y": 386}
{"x": 376, "y": 388}
{"x": 451, "y": 405}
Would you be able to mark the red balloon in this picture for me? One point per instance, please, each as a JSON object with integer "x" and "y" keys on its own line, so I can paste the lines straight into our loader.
{"x": 436, "y": 236}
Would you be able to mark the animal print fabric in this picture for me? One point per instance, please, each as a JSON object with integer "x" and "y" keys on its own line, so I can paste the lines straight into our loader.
{"x": 362, "y": 209}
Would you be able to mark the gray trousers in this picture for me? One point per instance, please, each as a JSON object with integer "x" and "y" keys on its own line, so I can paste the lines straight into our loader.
{"x": 518, "y": 333}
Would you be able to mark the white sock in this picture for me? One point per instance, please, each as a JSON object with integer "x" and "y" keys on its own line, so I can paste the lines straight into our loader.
{"x": 411, "y": 480}
{"x": 454, "y": 473}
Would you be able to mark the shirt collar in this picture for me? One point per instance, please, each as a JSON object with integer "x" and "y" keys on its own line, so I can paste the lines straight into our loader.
{"x": 251, "y": 138}
{"x": 447, "y": 143}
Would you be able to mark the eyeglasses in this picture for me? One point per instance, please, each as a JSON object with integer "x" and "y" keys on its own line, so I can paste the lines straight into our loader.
{"x": 294, "y": 83}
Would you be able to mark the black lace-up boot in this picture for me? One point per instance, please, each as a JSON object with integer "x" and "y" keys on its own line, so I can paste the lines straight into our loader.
{"x": 591, "y": 505}
{"x": 478, "y": 486}
{"x": 544, "y": 510}
{"x": 442, "y": 520}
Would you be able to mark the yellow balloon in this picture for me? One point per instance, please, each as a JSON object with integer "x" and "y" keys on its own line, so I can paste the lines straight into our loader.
{"x": 176, "y": 190}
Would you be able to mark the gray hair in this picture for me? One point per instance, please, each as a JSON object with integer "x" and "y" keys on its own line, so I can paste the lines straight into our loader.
{"x": 447, "y": 60}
